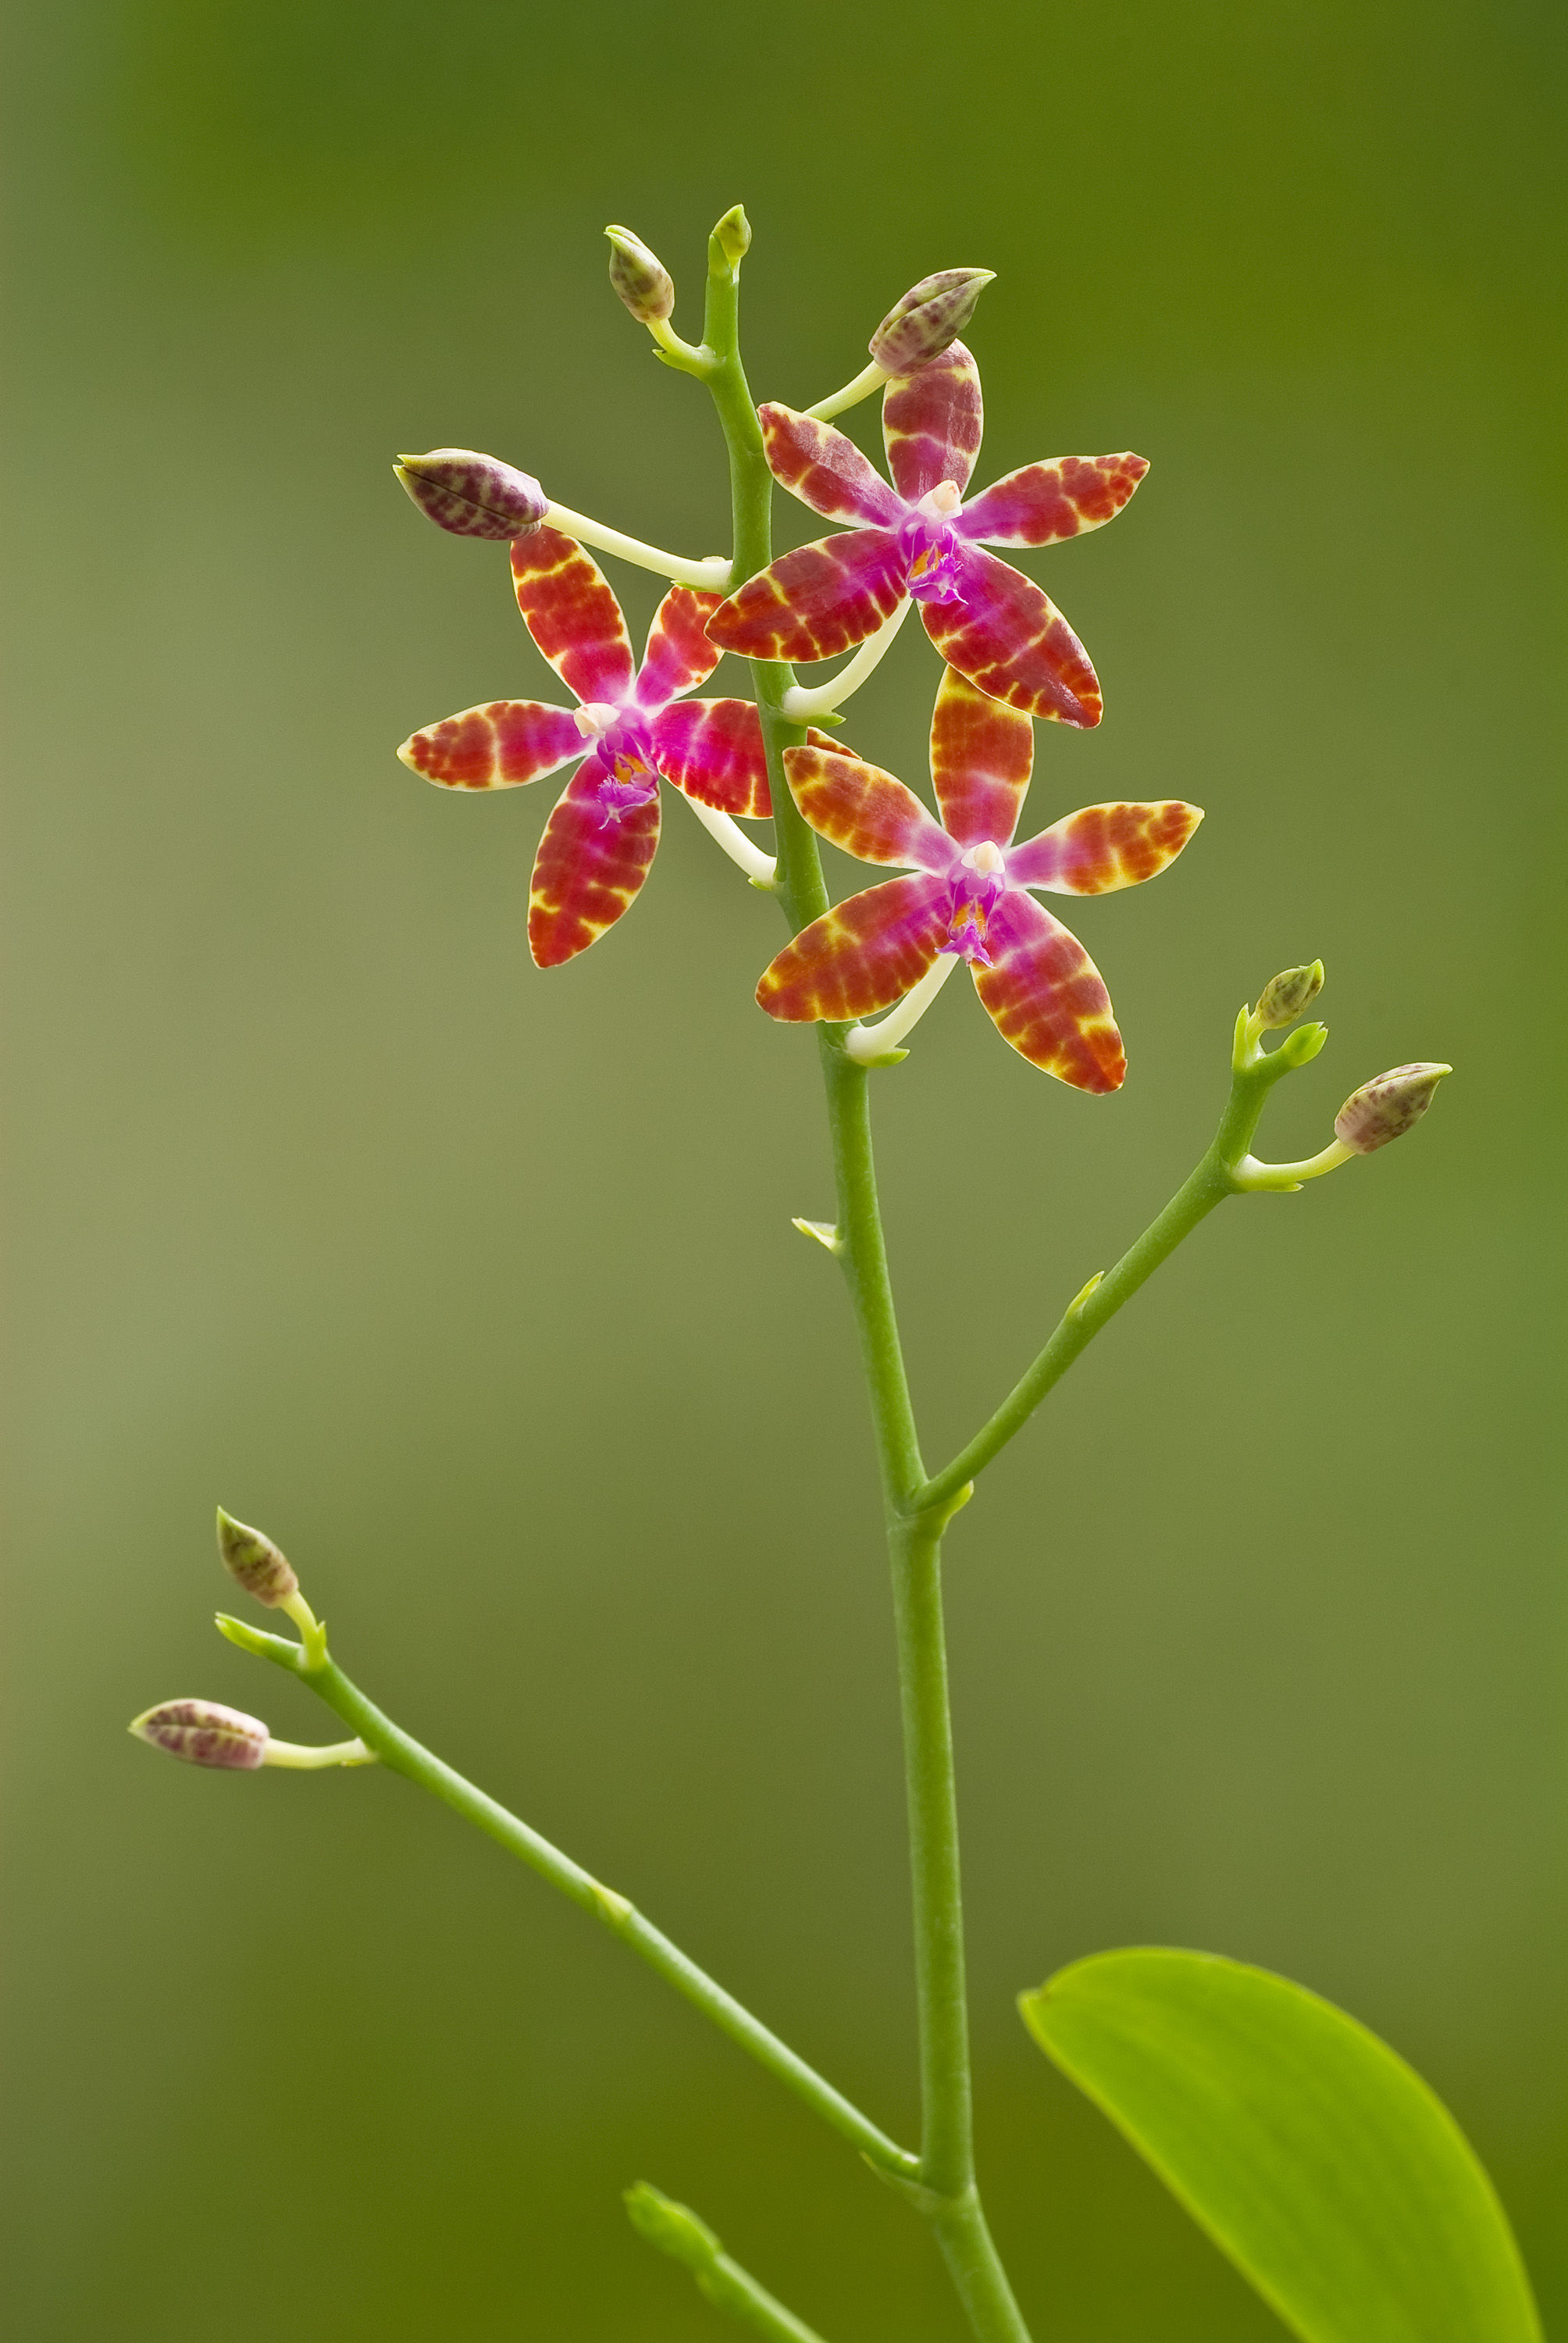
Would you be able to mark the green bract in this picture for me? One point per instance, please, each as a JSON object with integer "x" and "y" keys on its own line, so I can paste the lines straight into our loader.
{"x": 1333, "y": 2177}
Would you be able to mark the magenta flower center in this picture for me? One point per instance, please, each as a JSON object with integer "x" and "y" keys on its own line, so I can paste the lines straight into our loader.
{"x": 976, "y": 884}
{"x": 625, "y": 751}
{"x": 929, "y": 545}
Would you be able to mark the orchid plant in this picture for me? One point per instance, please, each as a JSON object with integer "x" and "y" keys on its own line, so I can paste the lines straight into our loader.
{"x": 1306, "y": 2148}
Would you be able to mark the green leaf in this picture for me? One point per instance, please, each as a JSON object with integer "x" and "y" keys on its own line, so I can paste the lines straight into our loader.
{"x": 1333, "y": 2177}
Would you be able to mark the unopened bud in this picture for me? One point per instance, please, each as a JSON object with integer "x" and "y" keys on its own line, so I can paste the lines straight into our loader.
{"x": 674, "y": 2228}
{"x": 254, "y": 1562}
{"x": 204, "y": 1733}
{"x": 472, "y": 495}
{"x": 1285, "y": 996}
{"x": 931, "y": 314}
{"x": 1385, "y": 1108}
{"x": 640, "y": 279}
{"x": 734, "y": 235}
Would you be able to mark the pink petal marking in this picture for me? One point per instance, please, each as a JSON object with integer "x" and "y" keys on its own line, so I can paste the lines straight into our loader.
{"x": 825, "y": 470}
{"x": 1044, "y": 503}
{"x": 1104, "y": 847}
{"x": 678, "y": 655}
{"x": 1005, "y": 635}
{"x": 931, "y": 424}
{"x": 981, "y": 753}
{"x": 590, "y": 864}
{"x": 571, "y": 614}
{"x": 497, "y": 746}
{"x": 819, "y": 600}
{"x": 861, "y": 956}
{"x": 1045, "y": 995}
{"x": 866, "y": 811}
{"x": 712, "y": 748}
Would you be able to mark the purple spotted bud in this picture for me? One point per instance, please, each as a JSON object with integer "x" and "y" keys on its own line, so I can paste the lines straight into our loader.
{"x": 640, "y": 279}
{"x": 1285, "y": 996}
{"x": 254, "y": 1562}
{"x": 473, "y": 496}
{"x": 931, "y": 314}
{"x": 1385, "y": 1108}
{"x": 204, "y": 1733}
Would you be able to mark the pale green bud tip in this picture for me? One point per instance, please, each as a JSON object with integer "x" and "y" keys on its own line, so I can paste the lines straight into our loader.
{"x": 734, "y": 234}
{"x": 254, "y": 1563}
{"x": 931, "y": 314}
{"x": 1385, "y": 1108}
{"x": 1285, "y": 996}
{"x": 473, "y": 495}
{"x": 673, "y": 2228}
{"x": 640, "y": 279}
{"x": 204, "y": 1733}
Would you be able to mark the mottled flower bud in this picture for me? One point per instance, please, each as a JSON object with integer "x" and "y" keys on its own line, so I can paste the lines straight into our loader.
{"x": 734, "y": 234}
{"x": 1285, "y": 996}
{"x": 640, "y": 279}
{"x": 473, "y": 496}
{"x": 254, "y": 1562}
{"x": 674, "y": 2228}
{"x": 931, "y": 314}
{"x": 1385, "y": 1108}
{"x": 203, "y": 1733}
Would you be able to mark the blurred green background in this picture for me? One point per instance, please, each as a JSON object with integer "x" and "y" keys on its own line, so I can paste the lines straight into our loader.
{"x": 478, "y": 1290}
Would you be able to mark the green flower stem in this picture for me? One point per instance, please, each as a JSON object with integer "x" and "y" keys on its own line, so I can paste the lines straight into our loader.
{"x": 1220, "y": 1174}
{"x": 402, "y": 1754}
{"x": 676, "y": 2231}
{"x": 946, "y": 2192}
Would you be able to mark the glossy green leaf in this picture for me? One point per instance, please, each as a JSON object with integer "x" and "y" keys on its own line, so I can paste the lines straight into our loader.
{"x": 1321, "y": 2164}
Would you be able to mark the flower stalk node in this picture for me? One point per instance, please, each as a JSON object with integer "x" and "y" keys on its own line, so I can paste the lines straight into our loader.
{"x": 824, "y": 1231}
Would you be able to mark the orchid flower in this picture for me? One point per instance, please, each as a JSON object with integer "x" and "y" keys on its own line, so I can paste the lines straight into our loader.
{"x": 631, "y": 726}
{"x": 920, "y": 539}
{"x": 968, "y": 896}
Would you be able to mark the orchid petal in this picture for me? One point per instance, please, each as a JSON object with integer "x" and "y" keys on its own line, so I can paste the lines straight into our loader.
{"x": 825, "y": 470}
{"x": 497, "y": 746}
{"x": 1045, "y": 995}
{"x": 863, "y": 955}
{"x": 931, "y": 424}
{"x": 817, "y": 601}
{"x": 1044, "y": 503}
{"x": 680, "y": 655}
{"x": 572, "y": 615}
{"x": 1104, "y": 847}
{"x": 1009, "y": 638}
{"x": 587, "y": 870}
{"x": 712, "y": 748}
{"x": 981, "y": 753}
{"x": 866, "y": 811}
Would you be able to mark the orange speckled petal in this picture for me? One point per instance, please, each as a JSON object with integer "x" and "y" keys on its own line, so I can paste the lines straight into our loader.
{"x": 587, "y": 870}
{"x": 571, "y": 614}
{"x": 825, "y": 470}
{"x": 819, "y": 600}
{"x": 712, "y": 748}
{"x": 497, "y": 746}
{"x": 863, "y": 955}
{"x": 1104, "y": 847}
{"x": 1009, "y": 638}
{"x": 866, "y": 811}
{"x": 932, "y": 421}
{"x": 1044, "y": 503}
{"x": 982, "y": 753}
{"x": 1045, "y": 996}
{"x": 680, "y": 655}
